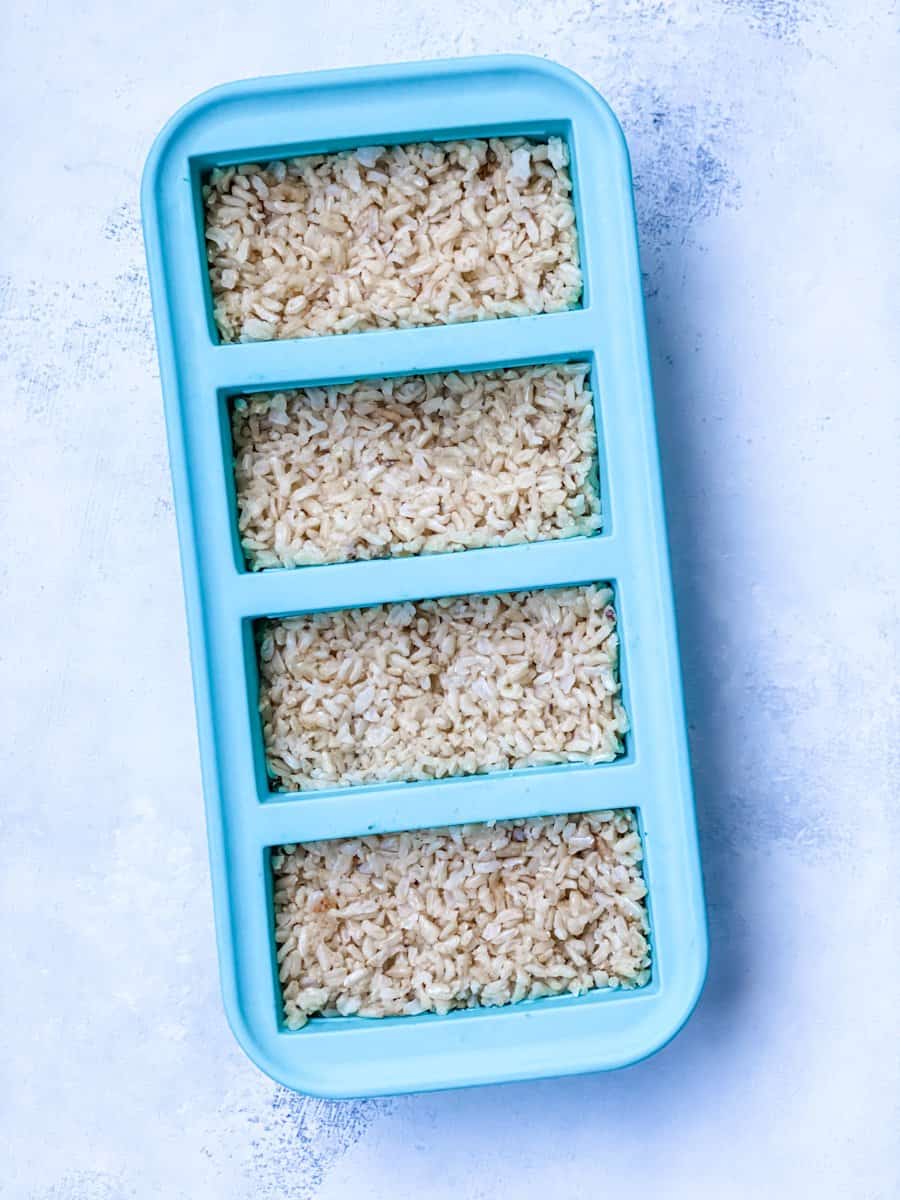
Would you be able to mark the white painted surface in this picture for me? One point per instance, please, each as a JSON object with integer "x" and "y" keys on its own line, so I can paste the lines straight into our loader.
{"x": 765, "y": 147}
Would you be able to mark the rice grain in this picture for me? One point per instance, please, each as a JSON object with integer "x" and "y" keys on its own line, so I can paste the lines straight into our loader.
{"x": 391, "y": 237}
{"x": 464, "y": 916}
{"x": 415, "y": 465}
{"x": 456, "y": 686}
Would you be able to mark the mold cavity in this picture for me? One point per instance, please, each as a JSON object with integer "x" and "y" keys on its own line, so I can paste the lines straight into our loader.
{"x": 388, "y": 237}
{"x": 461, "y": 917}
{"x": 439, "y": 688}
{"x": 413, "y": 465}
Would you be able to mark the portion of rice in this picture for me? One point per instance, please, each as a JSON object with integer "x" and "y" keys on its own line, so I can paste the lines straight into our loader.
{"x": 414, "y": 465}
{"x": 470, "y": 915}
{"x": 390, "y": 237}
{"x": 454, "y": 686}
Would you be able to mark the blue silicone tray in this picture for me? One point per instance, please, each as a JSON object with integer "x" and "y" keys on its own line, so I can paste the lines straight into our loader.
{"x": 292, "y": 115}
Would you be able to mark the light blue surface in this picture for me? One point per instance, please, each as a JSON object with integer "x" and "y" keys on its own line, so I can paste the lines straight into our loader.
{"x": 763, "y": 140}
{"x": 293, "y": 115}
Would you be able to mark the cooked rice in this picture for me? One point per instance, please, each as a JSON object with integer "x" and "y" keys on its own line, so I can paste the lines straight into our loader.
{"x": 421, "y": 464}
{"x": 460, "y": 917}
{"x": 390, "y": 237}
{"x": 455, "y": 686}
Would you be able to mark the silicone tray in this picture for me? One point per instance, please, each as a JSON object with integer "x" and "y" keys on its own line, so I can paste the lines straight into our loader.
{"x": 272, "y": 118}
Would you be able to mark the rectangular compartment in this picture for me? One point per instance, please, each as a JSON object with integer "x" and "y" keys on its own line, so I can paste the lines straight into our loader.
{"x": 391, "y": 236}
{"x": 465, "y": 917}
{"x": 439, "y": 689}
{"x": 287, "y": 380}
{"x": 419, "y": 464}
{"x": 264, "y": 120}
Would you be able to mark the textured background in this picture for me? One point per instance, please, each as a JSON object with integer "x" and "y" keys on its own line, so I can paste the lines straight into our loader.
{"x": 765, "y": 146}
